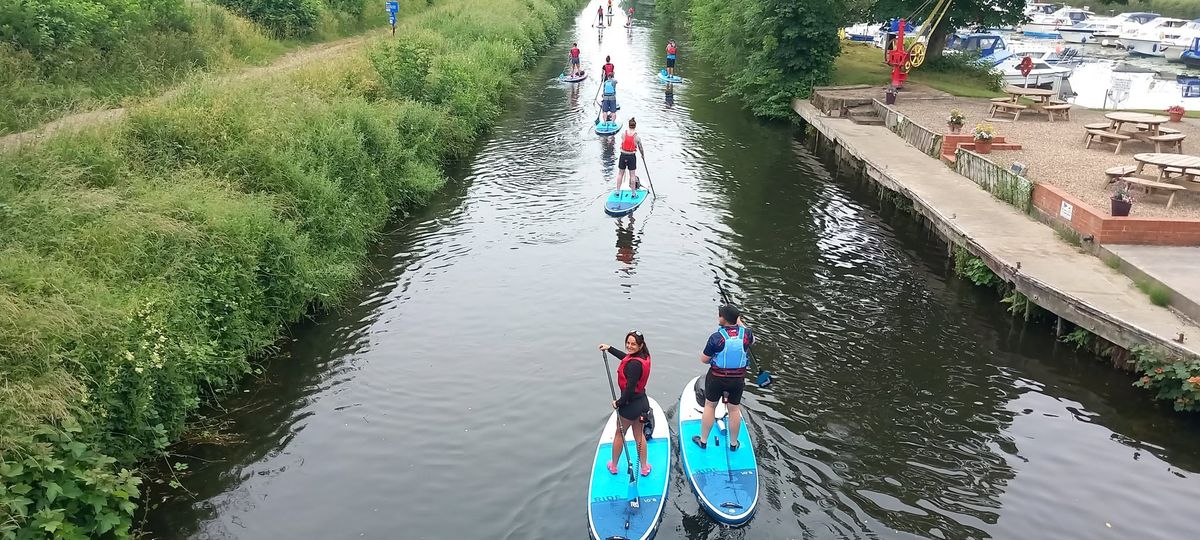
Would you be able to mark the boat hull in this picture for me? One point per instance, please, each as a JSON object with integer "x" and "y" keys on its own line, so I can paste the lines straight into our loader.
{"x": 1050, "y": 31}
{"x": 1077, "y": 36}
{"x": 1142, "y": 47}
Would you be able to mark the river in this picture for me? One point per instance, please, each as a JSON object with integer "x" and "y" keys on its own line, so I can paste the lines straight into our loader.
{"x": 460, "y": 393}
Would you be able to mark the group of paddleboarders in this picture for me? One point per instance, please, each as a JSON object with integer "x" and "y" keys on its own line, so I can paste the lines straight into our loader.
{"x": 727, "y": 355}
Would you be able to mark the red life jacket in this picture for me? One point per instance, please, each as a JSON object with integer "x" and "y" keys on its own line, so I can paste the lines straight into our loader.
{"x": 609, "y": 68}
{"x": 575, "y": 52}
{"x": 670, "y": 49}
{"x": 629, "y": 143}
{"x": 641, "y": 384}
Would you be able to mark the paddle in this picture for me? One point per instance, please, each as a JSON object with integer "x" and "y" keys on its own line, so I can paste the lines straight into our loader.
{"x": 596, "y": 100}
{"x": 646, "y": 169}
{"x": 764, "y": 378}
{"x": 633, "y": 494}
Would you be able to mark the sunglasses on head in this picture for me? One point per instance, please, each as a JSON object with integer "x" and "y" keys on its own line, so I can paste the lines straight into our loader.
{"x": 636, "y": 333}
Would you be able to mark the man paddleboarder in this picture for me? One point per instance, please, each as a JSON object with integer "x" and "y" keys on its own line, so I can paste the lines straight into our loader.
{"x": 727, "y": 355}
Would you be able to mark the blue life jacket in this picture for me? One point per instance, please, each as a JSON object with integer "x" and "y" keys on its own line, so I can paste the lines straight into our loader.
{"x": 733, "y": 356}
{"x": 610, "y": 87}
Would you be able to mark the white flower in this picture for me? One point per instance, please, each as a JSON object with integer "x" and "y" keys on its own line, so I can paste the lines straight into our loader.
{"x": 138, "y": 369}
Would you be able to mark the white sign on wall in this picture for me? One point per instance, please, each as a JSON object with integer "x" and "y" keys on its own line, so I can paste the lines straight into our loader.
{"x": 1066, "y": 210}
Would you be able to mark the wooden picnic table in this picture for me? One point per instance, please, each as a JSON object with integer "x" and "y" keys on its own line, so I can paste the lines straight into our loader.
{"x": 1039, "y": 95}
{"x": 1151, "y": 121}
{"x": 1163, "y": 161}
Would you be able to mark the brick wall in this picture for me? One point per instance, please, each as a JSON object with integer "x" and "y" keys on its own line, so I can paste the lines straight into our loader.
{"x": 1085, "y": 220}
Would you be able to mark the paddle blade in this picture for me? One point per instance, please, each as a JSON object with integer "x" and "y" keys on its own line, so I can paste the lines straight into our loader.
{"x": 633, "y": 493}
{"x": 764, "y": 379}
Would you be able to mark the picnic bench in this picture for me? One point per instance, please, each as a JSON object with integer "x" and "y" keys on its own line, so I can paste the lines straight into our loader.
{"x": 1060, "y": 109}
{"x": 1105, "y": 137}
{"x": 1007, "y": 107}
{"x": 1149, "y": 186}
{"x": 1170, "y": 140}
{"x": 1115, "y": 173}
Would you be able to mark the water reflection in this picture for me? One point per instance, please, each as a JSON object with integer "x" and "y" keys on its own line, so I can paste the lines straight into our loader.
{"x": 669, "y": 93}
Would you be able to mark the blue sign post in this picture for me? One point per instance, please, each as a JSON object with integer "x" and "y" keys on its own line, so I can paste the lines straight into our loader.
{"x": 392, "y": 9}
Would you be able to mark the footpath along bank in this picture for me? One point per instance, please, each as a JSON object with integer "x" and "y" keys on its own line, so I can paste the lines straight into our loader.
{"x": 144, "y": 263}
{"x": 1022, "y": 256}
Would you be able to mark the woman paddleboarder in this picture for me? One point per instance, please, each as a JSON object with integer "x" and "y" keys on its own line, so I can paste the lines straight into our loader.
{"x": 630, "y": 144}
{"x": 632, "y": 406}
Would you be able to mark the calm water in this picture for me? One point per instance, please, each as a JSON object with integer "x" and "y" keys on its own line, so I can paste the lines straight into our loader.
{"x": 460, "y": 394}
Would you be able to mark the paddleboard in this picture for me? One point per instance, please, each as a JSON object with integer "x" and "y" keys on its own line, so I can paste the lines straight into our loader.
{"x": 607, "y": 128}
{"x": 624, "y": 202}
{"x": 662, "y": 76}
{"x": 570, "y": 79}
{"x": 725, "y": 482}
{"x": 609, "y": 514}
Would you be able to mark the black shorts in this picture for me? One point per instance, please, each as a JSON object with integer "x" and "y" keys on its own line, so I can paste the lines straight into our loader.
{"x": 714, "y": 386}
{"x": 628, "y": 160}
{"x": 670, "y": 62}
{"x": 636, "y": 407}
{"x": 608, "y": 104}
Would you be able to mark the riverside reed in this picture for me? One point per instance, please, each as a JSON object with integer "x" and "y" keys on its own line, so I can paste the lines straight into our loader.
{"x": 63, "y": 56}
{"x": 143, "y": 265}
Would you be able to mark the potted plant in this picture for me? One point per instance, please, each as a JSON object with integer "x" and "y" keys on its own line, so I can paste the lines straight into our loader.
{"x": 983, "y": 138}
{"x": 955, "y": 122}
{"x": 1176, "y": 112}
{"x": 1122, "y": 200}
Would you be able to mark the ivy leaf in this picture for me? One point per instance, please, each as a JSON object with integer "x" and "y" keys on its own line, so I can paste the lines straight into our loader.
{"x": 21, "y": 489}
{"x": 105, "y": 521}
{"x": 71, "y": 490}
{"x": 127, "y": 506}
{"x": 52, "y": 490}
{"x": 76, "y": 448}
{"x": 11, "y": 469}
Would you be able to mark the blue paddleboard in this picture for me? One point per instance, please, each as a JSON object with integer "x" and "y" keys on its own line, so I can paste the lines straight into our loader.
{"x": 725, "y": 482}
{"x": 609, "y": 513}
{"x": 624, "y": 202}
{"x": 662, "y": 76}
{"x": 607, "y": 128}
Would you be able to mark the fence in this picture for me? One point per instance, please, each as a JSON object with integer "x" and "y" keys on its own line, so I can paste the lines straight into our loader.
{"x": 1000, "y": 182}
{"x": 919, "y": 136}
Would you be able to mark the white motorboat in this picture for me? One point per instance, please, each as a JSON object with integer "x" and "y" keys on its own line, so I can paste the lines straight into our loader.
{"x": 1145, "y": 42}
{"x": 1102, "y": 29}
{"x": 1048, "y": 26}
{"x": 1043, "y": 74}
{"x": 1173, "y": 49}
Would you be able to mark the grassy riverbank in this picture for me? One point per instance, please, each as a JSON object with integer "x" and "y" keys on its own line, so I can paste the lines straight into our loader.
{"x": 144, "y": 264}
{"x": 862, "y": 63}
{"x": 64, "y": 56}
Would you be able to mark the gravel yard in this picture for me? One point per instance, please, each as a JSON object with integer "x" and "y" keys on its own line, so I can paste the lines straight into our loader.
{"x": 1054, "y": 153}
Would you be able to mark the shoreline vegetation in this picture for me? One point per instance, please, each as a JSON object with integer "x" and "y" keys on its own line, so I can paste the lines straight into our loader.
{"x": 60, "y": 57}
{"x": 772, "y": 51}
{"x": 144, "y": 265}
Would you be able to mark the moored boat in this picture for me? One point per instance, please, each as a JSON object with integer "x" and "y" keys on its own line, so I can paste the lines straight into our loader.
{"x": 1146, "y": 41}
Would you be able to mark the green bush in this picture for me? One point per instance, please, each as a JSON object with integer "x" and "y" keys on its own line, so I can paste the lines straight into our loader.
{"x": 966, "y": 66}
{"x": 771, "y": 51}
{"x": 287, "y": 18}
{"x": 1171, "y": 378}
{"x": 53, "y": 29}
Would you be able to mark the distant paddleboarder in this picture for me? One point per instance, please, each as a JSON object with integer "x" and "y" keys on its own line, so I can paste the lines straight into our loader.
{"x": 600, "y": 16}
{"x": 632, "y": 405}
{"x": 575, "y": 70}
{"x": 727, "y": 357}
{"x": 671, "y": 50}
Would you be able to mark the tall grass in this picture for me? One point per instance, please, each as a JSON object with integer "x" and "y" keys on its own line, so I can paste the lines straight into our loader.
{"x": 143, "y": 265}
{"x": 36, "y": 88}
